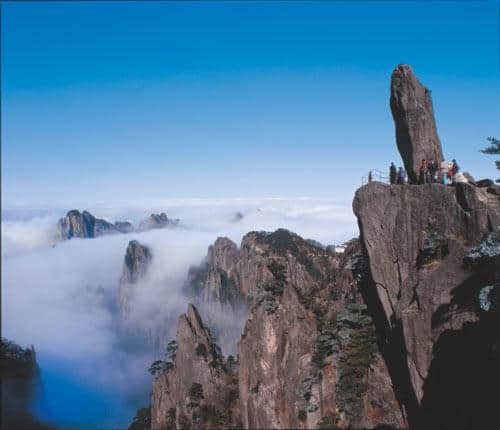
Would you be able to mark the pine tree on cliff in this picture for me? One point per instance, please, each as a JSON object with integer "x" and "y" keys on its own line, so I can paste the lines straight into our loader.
{"x": 494, "y": 148}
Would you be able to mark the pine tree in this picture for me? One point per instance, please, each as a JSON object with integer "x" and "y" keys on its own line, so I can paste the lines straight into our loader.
{"x": 494, "y": 148}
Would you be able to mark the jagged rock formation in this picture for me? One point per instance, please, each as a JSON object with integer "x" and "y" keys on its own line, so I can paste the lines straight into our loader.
{"x": 416, "y": 133}
{"x": 84, "y": 225}
{"x": 20, "y": 380}
{"x": 308, "y": 354}
{"x": 199, "y": 389}
{"x": 136, "y": 262}
{"x": 215, "y": 288}
{"x": 416, "y": 238}
{"x": 157, "y": 221}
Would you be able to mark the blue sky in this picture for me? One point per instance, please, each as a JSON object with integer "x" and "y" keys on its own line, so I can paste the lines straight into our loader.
{"x": 144, "y": 100}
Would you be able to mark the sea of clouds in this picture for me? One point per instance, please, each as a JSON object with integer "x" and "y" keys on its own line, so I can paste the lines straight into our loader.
{"x": 62, "y": 296}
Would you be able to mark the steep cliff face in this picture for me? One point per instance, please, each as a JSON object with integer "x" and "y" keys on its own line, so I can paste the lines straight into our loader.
{"x": 416, "y": 133}
{"x": 308, "y": 355}
{"x": 416, "y": 238}
{"x": 20, "y": 382}
{"x": 136, "y": 262}
{"x": 84, "y": 225}
{"x": 199, "y": 389}
{"x": 214, "y": 287}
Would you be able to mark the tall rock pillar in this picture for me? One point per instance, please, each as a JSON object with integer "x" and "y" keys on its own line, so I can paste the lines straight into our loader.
{"x": 416, "y": 133}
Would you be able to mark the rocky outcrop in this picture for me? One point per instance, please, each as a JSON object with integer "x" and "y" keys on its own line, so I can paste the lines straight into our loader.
{"x": 309, "y": 353}
{"x": 416, "y": 133}
{"x": 21, "y": 385}
{"x": 416, "y": 238}
{"x": 136, "y": 262}
{"x": 199, "y": 388}
{"x": 156, "y": 221}
{"x": 83, "y": 225}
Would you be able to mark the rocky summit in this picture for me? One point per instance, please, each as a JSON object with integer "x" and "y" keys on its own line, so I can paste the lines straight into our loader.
{"x": 416, "y": 133}
{"x": 155, "y": 221}
{"x": 84, "y": 225}
{"x": 400, "y": 330}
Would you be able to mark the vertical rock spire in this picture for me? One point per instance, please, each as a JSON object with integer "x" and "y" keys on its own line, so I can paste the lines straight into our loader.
{"x": 416, "y": 133}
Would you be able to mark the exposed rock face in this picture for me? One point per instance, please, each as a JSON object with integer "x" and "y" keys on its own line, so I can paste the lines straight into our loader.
{"x": 157, "y": 221}
{"x": 416, "y": 238}
{"x": 137, "y": 260}
{"x": 308, "y": 355}
{"x": 83, "y": 225}
{"x": 199, "y": 390}
{"x": 416, "y": 133}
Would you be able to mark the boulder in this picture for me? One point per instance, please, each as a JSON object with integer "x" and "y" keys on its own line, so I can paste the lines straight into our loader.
{"x": 416, "y": 133}
{"x": 483, "y": 183}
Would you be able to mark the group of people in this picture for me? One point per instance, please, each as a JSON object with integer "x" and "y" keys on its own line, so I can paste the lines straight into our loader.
{"x": 397, "y": 175}
{"x": 429, "y": 172}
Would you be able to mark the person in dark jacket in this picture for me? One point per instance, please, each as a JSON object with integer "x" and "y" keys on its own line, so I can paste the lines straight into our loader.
{"x": 424, "y": 172}
{"x": 432, "y": 171}
{"x": 454, "y": 167}
{"x": 400, "y": 177}
{"x": 393, "y": 173}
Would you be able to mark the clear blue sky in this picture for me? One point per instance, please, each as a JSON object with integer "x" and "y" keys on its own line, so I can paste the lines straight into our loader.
{"x": 138, "y": 100}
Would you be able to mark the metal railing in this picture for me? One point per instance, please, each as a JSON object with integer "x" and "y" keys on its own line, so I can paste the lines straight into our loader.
{"x": 377, "y": 175}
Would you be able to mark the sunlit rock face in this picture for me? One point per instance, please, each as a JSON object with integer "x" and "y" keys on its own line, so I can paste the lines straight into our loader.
{"x": 309, "y": 352}
{"x": 84, "y": 225}
{"x": 416, "y": 133}
{"x": 199, "y": 388}
{"x": 415, "y": 239}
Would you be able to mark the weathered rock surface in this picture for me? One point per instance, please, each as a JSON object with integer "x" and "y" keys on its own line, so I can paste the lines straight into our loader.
{"x": 156, "y": 221}
{"x": 199, "y": 389}
{"x": 416, "y": 238}
{"x": 416, "y": 133}
{"x": 308, "y": 355}
{"x": 83, "y": 225}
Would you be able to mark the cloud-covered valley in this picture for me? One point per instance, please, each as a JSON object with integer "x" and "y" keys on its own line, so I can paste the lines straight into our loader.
{"x": 62, "y": 296}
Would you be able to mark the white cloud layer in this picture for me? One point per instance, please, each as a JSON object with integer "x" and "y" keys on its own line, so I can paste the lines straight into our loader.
{"x": 63, "y": 298}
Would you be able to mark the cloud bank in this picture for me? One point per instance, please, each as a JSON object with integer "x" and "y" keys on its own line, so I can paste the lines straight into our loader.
{"x": 63, "y": 298}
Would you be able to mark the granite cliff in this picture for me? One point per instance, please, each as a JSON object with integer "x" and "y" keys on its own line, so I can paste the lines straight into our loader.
{"x": 308, "y": 355}
{"x": 400, "y": 330}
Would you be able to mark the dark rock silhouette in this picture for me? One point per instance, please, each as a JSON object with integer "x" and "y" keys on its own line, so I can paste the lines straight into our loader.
{"x": 416, "y": 133}
{"x": 21, "y": 387}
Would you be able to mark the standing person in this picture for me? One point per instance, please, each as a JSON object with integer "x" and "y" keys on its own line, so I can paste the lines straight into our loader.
{"x": 403, "y": 176}
{"x": 369, "y": 176}
{"x": 423, "y": 172}
{"x": 454, "y": 167}
{"x": 432, "y": 171}
{"x": 399, "y": 179}
{"x": 393, "y": 173}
